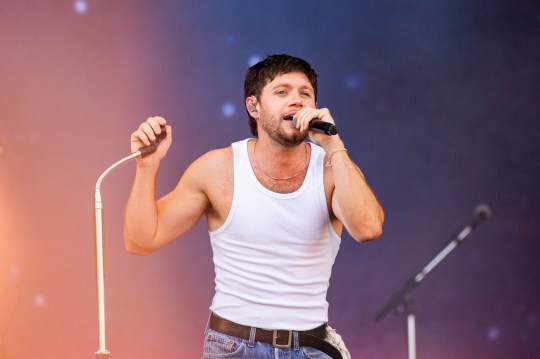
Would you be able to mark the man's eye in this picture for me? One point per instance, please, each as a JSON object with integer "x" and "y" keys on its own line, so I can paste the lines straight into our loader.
{"x": 281, "y": 92}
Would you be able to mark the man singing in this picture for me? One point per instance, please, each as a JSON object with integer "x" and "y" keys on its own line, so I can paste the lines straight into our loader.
{"x": 275, "y": 206}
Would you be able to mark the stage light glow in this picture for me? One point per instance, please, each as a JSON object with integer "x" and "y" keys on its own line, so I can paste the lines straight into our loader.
{"x": 493, "y": 334}
{"x": 230, "y": 39}
{"x": 40, "y": 300}
{"x": 532, "y": 320}
{"x": 228, "y": 109}
{"x": 253, "y": 60}
{"x": 352, "y": 82}
{"x": 80, "y": 6}
{"x": 15, "y": 272}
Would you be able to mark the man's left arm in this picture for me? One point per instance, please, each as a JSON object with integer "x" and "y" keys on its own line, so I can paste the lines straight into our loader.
{"x": 353, "y": 201}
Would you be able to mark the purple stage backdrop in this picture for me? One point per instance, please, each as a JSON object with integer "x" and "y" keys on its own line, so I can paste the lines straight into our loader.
{"x": 438, "y": 103}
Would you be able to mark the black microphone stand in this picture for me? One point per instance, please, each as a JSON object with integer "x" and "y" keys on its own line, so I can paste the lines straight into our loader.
{"x": 403, "y": 300}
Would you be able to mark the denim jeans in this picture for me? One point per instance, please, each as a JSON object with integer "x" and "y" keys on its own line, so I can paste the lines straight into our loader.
{"x": 218, "y": 345}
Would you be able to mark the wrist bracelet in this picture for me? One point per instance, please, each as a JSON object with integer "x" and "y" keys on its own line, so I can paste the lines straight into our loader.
{"x": 329, "y": 162}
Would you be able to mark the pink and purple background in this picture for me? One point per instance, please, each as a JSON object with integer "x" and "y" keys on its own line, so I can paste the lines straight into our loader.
{"x": 438, "y": 103}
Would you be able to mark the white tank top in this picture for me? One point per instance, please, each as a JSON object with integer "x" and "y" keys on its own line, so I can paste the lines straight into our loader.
{"x": 273, "y": 256}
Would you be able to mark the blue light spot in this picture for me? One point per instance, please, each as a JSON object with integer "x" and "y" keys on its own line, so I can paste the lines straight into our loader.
{"x": 532, "y": 320}
{"x": 493, "y": 334}
{"x": 80, "y": 6}
{"x": 352, "y": 82}
{"x": 253, "y": 60}
{"x": 228, "y": 109}
{"x": 230, "y": 39}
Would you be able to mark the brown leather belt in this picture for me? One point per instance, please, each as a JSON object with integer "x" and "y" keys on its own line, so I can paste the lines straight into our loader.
{"x": 313, "y": 338}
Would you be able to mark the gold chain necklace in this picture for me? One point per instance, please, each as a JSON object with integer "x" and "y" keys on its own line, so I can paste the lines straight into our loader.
{"x": 278, "y": 178}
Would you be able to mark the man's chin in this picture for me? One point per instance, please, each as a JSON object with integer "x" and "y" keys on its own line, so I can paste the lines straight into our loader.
{"x": 294, "y": 139}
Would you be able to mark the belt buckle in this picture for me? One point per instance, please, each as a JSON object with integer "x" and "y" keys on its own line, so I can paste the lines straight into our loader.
{"x": 275, "y": 336}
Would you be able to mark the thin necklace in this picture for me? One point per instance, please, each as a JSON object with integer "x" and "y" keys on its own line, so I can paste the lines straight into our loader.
{"x": 279, "y": 178}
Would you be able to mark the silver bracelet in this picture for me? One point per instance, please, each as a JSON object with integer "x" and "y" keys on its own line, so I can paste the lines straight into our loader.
{"x": 329, "y": 162}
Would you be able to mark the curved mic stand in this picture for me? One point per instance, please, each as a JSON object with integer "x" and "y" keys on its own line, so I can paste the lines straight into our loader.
{"x": 403, "y": 300}
{"x": 103, "y": 353}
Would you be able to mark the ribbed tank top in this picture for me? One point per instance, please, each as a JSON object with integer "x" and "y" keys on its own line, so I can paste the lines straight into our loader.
{"x": 274, "y": 254}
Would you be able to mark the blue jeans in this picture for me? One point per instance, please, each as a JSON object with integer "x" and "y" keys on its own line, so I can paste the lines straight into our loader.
{"x": 218, "y": 345}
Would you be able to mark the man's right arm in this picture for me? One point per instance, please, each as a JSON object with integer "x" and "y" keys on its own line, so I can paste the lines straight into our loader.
{"x": 150, "y": 224}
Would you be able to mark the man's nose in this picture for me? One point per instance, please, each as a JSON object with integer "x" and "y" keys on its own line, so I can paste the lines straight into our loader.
{"x": 296, "y": 99}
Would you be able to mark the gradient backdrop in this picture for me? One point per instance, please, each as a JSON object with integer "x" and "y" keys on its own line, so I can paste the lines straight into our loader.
{"x": 437, "y": 101}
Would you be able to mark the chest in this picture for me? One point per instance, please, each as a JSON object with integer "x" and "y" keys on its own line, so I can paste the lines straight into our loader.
{"x": 280, "y": 186}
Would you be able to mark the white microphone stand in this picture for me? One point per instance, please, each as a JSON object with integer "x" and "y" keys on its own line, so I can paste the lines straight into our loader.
{"x": 103, "y": 353}
{"x": 403, "y": 300}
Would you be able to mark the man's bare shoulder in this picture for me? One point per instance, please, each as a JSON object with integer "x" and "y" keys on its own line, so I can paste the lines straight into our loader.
{"x": 218, "y": 158}
{"x": 215, "y": 165}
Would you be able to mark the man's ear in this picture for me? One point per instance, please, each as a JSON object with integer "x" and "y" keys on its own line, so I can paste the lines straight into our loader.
{"x": 251, "y": 105}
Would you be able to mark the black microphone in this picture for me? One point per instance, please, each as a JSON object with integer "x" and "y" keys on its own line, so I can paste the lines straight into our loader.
{"x": 326, "y": 127}
{"x": 147, "y": 150}
{"x": 481, "y": 213}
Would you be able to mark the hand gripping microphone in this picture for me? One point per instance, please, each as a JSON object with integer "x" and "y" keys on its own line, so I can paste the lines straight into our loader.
{"x": 326, "y": 127}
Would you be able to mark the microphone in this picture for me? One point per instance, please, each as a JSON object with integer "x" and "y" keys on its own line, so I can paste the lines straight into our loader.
{"x": 148, "y": 150}
{"x": 326, "y": 127}
{"x": 481, "y": 213}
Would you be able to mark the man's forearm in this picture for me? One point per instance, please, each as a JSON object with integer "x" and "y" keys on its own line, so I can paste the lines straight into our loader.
{"x": 359, "y": 209}
{"x": 141, "y": 215}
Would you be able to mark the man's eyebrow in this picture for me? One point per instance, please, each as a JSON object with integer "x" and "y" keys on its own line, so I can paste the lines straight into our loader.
{"x": 307, "y": 87}
{"x": 289, "y": 85}
{"x": 281, "y": 84}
